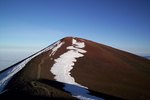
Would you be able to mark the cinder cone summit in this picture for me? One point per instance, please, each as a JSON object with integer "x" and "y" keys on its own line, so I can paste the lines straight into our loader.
{"x": 76, "y": 68}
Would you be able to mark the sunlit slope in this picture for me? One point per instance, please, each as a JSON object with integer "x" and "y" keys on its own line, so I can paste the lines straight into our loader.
{"x": 75, "y": 68}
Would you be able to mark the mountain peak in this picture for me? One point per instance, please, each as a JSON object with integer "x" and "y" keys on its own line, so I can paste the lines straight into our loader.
{"x": 78, "y": 68}
{"x": 69, "y": 38}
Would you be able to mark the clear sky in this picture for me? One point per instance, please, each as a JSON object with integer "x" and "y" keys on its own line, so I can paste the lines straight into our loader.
{"x": 30, "y": 25}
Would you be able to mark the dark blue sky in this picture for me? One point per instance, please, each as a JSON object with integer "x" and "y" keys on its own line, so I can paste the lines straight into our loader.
{"x": 34, "y": 24}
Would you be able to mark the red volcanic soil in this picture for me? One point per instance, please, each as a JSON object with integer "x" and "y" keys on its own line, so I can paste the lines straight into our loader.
{"x": 103, "y": 69}
{"x": 114, "y": 72}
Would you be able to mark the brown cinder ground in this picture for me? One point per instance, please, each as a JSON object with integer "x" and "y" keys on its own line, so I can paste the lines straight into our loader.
{"x": 103, "y": 69}
{"x": 114, "y": 72}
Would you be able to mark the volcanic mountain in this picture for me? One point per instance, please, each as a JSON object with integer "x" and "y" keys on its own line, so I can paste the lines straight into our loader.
{"x": 75, "y": 68}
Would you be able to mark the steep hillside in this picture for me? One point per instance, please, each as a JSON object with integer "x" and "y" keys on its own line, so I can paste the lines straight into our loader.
{"x": 75, "y": 68}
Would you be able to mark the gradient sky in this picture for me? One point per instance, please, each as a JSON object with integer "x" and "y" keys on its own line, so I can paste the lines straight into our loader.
{"x": 30, "y": 25}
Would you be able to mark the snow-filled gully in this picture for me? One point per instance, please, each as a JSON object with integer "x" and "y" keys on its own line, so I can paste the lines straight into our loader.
{"x": 62, "y": 67}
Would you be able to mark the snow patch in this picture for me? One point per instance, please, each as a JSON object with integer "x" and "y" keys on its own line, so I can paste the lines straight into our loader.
{"x": 76, "y": 49}
{"x": 62, "y": 67}
{"x": 58, "y": 45}
{"x": 78, "y": 44}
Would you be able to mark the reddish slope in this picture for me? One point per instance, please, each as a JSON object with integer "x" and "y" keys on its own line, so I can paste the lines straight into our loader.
{"x": 113, "y": 72}
{"x": 102, "y": 69}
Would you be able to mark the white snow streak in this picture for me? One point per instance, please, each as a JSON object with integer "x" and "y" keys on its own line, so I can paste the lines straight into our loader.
{"x": 78, "y": 44}
{"x": 64, "y": 63}
{"x": 62, "y": 67}
{"x": 58, "y": 45}
{"x": 6, "y": 76}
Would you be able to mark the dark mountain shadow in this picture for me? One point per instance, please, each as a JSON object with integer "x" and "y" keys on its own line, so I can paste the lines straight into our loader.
{"x": 80, "y": 90}
{"x": 55, "y": 84}
{"x": 60, "y": 86}
{"x": 29, "y": 97}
